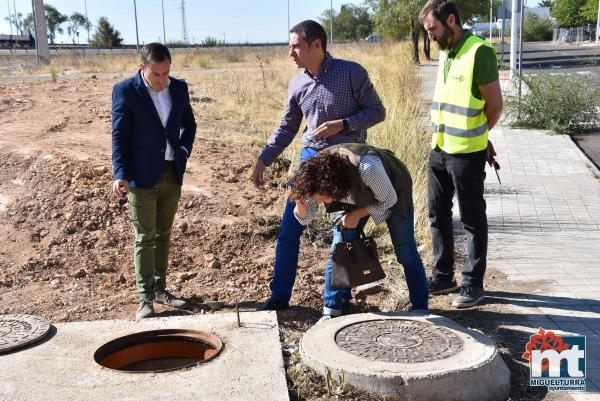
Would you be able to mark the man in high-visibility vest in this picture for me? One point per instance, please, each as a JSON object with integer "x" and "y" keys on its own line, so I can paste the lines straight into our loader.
{"x": 467, "y": 103}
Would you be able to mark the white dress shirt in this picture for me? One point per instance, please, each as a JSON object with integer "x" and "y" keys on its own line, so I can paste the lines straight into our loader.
{"x": 163, "y": 104}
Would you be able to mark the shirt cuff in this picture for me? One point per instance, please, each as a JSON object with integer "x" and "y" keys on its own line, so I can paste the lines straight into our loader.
{"x": 306, "y": 221}
{"x": 186, "y": 151}
{"x": 268, "y": 156}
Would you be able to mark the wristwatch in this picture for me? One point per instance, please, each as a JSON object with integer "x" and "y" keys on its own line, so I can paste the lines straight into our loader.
{"x": 346, "y": 125}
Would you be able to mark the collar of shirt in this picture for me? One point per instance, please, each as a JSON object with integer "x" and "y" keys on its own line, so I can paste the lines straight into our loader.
{"x": 324, "y": 66}
{"x": 150, "y": 88}
{"x": 461, "y": 41}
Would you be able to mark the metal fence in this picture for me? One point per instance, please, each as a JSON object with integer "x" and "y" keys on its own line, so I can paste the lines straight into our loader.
{"x": 575, "y": 34}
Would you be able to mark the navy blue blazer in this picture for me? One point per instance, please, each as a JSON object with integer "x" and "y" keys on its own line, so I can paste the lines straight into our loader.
{"x": 138, "y": 137}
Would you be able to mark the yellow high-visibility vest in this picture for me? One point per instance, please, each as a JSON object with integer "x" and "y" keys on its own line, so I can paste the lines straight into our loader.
{"x": 459, "y": 123}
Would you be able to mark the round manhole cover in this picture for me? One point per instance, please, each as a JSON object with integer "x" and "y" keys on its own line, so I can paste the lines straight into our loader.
{"x": 400, "y": 341}
{"x": 17, "y": 331}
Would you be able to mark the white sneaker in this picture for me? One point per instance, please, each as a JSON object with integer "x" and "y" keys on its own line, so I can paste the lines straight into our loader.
{"x": 323, "y": 319}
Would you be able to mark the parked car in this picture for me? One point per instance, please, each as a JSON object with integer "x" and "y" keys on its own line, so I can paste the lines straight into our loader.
{"x": 374, "y": 37}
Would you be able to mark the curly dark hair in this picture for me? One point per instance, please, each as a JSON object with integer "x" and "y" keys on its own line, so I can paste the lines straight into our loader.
{"x": 327, "y": 174}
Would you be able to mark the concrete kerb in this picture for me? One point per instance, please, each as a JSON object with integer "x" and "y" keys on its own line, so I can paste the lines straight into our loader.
{"x": 476, "y": 372}
{"x": 249, "y": 368}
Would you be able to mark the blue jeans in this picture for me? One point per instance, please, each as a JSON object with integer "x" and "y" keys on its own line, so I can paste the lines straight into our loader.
{"x": 403, "y": 238}
{"x": 288, "y": 247}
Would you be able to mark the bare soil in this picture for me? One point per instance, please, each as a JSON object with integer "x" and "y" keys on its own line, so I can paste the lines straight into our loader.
{"x": 66, "y": 249}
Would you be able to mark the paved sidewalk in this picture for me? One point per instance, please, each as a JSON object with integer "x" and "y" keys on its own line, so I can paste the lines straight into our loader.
{"x": 544, "y": 230}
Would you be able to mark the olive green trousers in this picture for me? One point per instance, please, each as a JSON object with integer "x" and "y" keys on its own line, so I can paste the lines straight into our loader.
{"x": 152, "y": 213}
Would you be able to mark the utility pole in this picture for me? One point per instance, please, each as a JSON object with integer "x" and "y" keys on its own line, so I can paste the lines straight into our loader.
{"x": 331, "y": 8}
{"x": 87, "y": 25}
{"x": 162, "y": 2}
{"x": 491, "y": 16}
{"x": 503, "y": 16}
{"x": 521, "y": 47}
{"x": 137, "y": 36}
{"x": 41, "y": 34}
{"x": 516, "y": 8}
{"x": 184, "y": 24}
{"x": 598, "y": 24}
{"x": 10, "y": 22}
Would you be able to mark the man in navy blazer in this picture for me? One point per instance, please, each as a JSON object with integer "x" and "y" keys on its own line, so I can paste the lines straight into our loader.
{"x": 153, "y": 130}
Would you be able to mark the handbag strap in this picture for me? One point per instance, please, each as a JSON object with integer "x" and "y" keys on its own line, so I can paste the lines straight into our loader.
{"x": 361, "y": 233}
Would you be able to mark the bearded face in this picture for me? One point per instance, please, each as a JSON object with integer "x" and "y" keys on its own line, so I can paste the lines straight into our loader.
{"x": 445, "y": 39}
{"x": 438, "y": 31}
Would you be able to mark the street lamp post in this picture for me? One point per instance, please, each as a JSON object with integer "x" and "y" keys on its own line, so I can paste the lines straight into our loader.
{"x": 137, "y": 37}
{"x": 491, "y": 16}
{"x": 513, "y": 37}
{"x": 162, "y": 3}
{"x": 598, "y": 24}
{"x": 87, "y": 23}
{"x": 331, "y": 8}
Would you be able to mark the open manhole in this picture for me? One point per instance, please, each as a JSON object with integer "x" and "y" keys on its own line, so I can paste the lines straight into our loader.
{"x": 158, "y": 351}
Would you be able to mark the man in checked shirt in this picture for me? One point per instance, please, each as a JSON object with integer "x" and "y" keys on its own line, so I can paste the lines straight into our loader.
{"x": 339, "y": 103}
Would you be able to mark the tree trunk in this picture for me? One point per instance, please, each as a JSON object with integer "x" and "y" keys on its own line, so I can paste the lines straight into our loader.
{"x": 414, "y": 34}
{"x": 426, "y": 45}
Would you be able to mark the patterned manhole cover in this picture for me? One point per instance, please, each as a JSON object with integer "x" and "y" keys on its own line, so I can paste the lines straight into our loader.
{"x": 17, "y": 331}
{"x": 400, "y": 341}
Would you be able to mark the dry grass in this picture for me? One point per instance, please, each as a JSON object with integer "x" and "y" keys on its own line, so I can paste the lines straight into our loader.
{"x": 249, "y": 88}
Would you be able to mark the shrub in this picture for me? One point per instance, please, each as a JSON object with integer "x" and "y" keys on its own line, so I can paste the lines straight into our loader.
{"x": 212, "y": 42}
{"x": 536, "y": 29}
{"x": 561, "y": 103}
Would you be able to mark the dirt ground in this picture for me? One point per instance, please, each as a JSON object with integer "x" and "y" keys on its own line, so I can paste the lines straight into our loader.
{"x": 66, "y": 244}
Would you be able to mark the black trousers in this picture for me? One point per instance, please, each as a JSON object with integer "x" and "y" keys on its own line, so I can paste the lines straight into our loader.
{"x": 464, "y": 175}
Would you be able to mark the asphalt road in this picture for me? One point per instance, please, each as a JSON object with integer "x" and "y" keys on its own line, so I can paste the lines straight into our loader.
{"x": 557, "y": 58}
{"x": 570, "y": 59}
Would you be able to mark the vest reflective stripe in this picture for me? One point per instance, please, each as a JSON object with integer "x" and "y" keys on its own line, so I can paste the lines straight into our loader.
{"x": 463, "y": 133}
{"x": 452, "y": 108}
{"x": 458, "y": 119}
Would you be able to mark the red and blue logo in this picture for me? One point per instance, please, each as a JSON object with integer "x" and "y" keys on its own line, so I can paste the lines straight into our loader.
{"x": 556, "y": 361}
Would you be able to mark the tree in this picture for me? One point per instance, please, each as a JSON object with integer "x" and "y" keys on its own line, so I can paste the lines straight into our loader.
{"x": 106, "y": 35}
{"x": 76, "y": 22}
{"x": 352, "y": 22}
{"x": 589, "y": 12}
{"x": 547, "y": 3}
{"x": 54, "y": 20}
{"x": 398, "y": 19}
{"x": 16, "y": 21}
{"x": 568, "y": 12}
{"x": 536, "y": 28}
{"x": 27, "y": 23}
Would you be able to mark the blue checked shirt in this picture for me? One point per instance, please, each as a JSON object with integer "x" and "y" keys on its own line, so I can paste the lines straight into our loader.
{"x": 342, "y": 90}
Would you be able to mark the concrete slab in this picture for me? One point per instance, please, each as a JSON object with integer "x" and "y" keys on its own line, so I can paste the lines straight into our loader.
{"x": 407, "y": 356}
{"x": 249, "y": 368}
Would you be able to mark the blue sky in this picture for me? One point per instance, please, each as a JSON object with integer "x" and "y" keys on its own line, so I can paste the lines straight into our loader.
{"x": 239, "y": 20}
